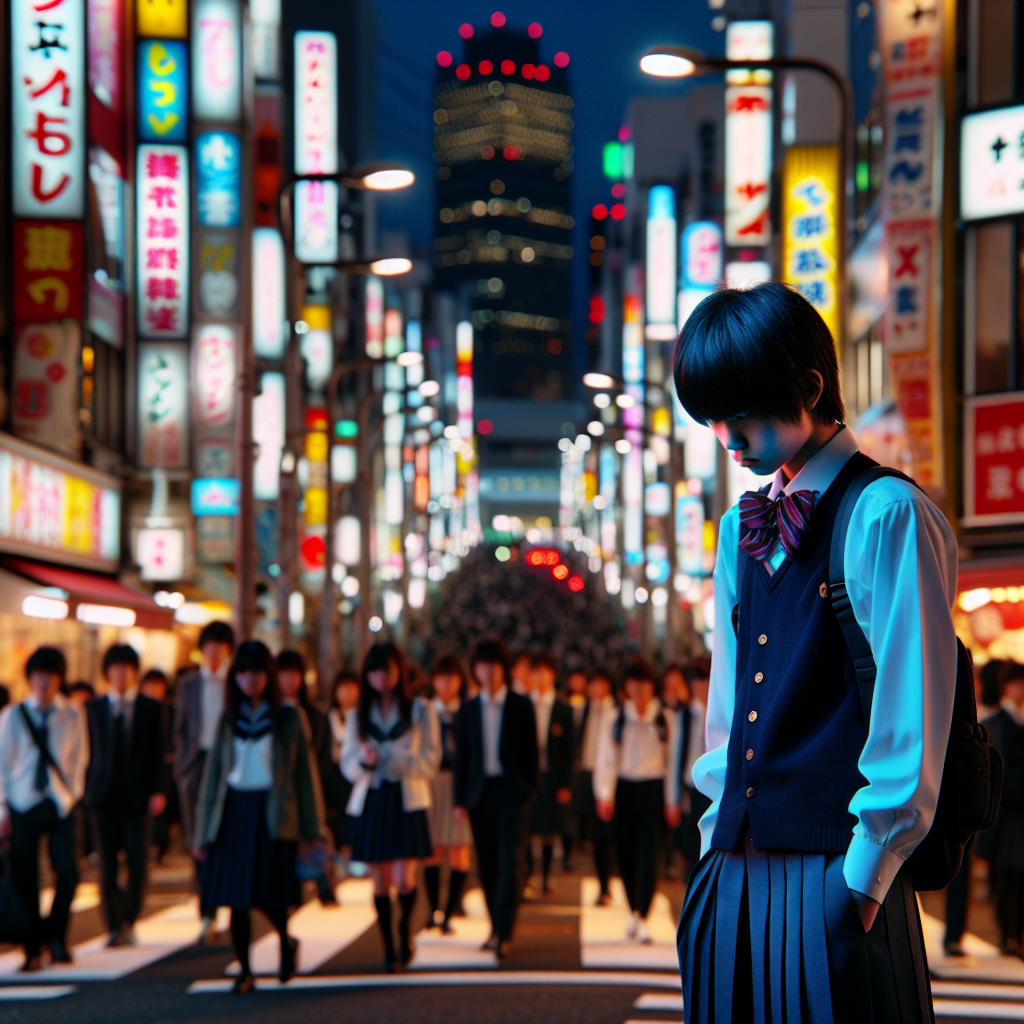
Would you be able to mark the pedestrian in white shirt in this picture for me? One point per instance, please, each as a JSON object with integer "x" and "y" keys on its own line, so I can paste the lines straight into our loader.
{"x": 636, "y": 785}
{"x": 44, "y": 754}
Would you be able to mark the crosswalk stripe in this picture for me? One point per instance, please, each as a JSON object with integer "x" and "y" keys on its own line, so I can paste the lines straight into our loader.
{"x": 659, "y": 1001}
{"x": 978, "y": 1010}
{"x": 461, "y": 949}
{"x": 978, "y": 990}
{"x": 14, "y": 993}
{"x": 603, "y": 941}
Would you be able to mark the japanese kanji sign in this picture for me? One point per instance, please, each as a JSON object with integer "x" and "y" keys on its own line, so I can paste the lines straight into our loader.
{"x": 316, "y": 103}
{"x": 44, "y": 390}
{"x": 163, "y": 406}
{"x": 218, "y": 179}
{"x": 48, "y": 271}
{"x": 908, "y": 313}
{"x": 105, "y": 40}
{"x": 992, "y": 163}
{"x": 809, "y": 196}
{"x": 48, "y": 107}
{"x": 163, "y": 91}
{"x": 217, "y": 60}
{"x": 748, "y": 148}
{"x": 994, "y": 459}
{"x": 215, "y": 354}
{"x": 316, "y": 221}
{"x": 162, "y": 239}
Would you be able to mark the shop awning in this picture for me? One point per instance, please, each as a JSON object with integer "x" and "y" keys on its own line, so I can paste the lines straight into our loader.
{"x": 14, "y": 590}
{"x": 96, "y": 599}
{"x": 994, "y": 572}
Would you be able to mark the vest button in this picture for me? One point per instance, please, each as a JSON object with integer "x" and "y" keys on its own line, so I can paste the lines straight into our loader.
{"x": 823, "y": 590}
{"x": 759, "y": 678}
{"x": 750, "y": 755}
{"x": 752, "y": 717}
{"x": 751, "y": 792}
{"x": 762, "y": 639}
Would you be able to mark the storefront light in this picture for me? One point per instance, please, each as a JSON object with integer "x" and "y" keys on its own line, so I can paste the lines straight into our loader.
{"x": 44, "y": 607}
{"x": 105, "y": 615}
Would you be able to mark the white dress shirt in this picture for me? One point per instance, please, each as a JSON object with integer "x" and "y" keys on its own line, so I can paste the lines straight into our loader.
{"x": 542, "y": 705}
{"x": 68, "y": 742}
{"x": 123, "y": 705}
{"x": 253, "y": 768}
{"x": 593, "y": 730}
{"x": 698, "y": 714}
{"x": 492, "y": 710}
{"x": 640, "y": 755}
{"x": 900, "y": 565}
{"x": 212, "y": 704}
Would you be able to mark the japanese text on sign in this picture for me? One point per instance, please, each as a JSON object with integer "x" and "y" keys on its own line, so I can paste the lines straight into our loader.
{"x": 217, "y": 67}
{"x": 992, "y": 163}
{"x": 163, "y": 406}
{"x": 316, "y": 103}
{"x": 218, "y": 179}
{"x": 47, "y": 270}
{"x": 215, "y": 362}
{"x": 994, "y": 459}
{"x": 163, "y": 91}
{"x": 316, "y": 221}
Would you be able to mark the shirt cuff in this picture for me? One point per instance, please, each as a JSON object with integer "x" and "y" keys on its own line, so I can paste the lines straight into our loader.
{"x": 870, "y": 868}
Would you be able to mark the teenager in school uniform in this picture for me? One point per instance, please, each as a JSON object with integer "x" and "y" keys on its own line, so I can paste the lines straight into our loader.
{"x": 392, "y": 750}
{"x": 452, "y": 837}
{"x": 554, "y": 764}
{"x": 258, "y": 799}
{"x": 600, "y": 703}
{"x": 576, "y": 698}
{"x": 124, "y": 785}
{"x": 635, "y": 783}
{"x": 799, "y": 909}
{"x": 337, "y": 789}
{"x": 495, "y": 778}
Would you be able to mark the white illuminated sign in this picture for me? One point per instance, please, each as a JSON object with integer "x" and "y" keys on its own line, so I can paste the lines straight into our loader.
{"x": 48, "y": 108}
{"x": 268, "y": 434}
{"x": 214, "y": 350}
{"x": 346, "y": 540}
{"x": 316, "y": 221}
{"x": 163, "y": 406}
{"x": 266, "y": 35}
{"x": 216, "y": 60}
{"x": 374, "y": 316}
{"x": 992, "y": 164}
{"x": 162, "y": 239}
{"x": 269, "y": 328}
{"x": 160, "y": 553}
{"x": 661, "y": 259}
{"x": 316, "y": 103}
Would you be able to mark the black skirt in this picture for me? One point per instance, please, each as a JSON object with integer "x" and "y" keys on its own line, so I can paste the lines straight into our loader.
{"x": 245, "y": 867}
{"x": 547, "y": 815}
{"x": 385, "y": 831}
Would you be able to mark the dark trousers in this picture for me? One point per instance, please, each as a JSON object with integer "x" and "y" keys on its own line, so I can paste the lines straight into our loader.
{"x": 600, "y": 833}
{"x": 958, "y": 894}
{"x": 27, "y": 830}
{"x": 499, "y": 825}
{"x": 188, "y": 797}
{"x": 639, "y": 807}
{"x": 1008, "y": 893}
{"x": 118, "y": 829}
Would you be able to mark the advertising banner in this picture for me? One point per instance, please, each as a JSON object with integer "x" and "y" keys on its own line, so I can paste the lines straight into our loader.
{"x": 163, "y": 91}
{"x": 994, "y": 460}
{"x": 163, "y": 406}
{"x": 48, "y": 270}
{"x": 44, "y": 385}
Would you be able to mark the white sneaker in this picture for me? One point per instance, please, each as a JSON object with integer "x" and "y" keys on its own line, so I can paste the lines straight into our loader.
{"x": 642, "y": 934}
{"x": 634, "y": 924}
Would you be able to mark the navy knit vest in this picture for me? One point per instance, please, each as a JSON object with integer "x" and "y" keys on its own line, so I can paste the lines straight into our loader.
{"x": 797, "y": 728}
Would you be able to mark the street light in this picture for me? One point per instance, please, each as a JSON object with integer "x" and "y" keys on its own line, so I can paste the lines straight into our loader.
{"x": 684, "y": 61}
{"x": 380, "y": 177}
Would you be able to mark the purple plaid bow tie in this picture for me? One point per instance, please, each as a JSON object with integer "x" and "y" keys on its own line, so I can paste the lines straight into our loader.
{"x": 762, "y": 520}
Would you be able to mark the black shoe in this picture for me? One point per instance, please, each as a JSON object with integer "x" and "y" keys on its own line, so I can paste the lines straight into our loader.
{"x": 32, "y": 964}
{"x": 244, "y": 984}
{"x": 59, "y": 953}
{"x": 503, "y": 949}
{"x": 491, "y": 945}
{"x": 289, "y": 958}
{"x": 953, "y": 949}
{"x": 446, "y": 927}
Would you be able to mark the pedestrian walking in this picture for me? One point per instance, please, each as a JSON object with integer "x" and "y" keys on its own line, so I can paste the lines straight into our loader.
{"x": 155, "y": 685}
{"x": 816, "y": 804}
{"x": 337, "y": 789}
{"x": 452, "y": 837}
{"x": 553, "y": 717}
{"x": 635, "y": 784}
{"x": 124, "y": 786}
{"x": 198, "y": 707}
{"x": 576, "y": 698}
{"x": 392, "y": 750}
{"x": 257, "y": 801}
{"x": 675, "y": 696}
{"x": 44, "y": 753}
{"x": 495, "y": 779}
{"x": 693, "y": 803}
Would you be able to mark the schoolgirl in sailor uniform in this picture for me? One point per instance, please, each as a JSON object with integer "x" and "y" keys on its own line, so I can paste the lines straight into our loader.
{"x": 392, "y": 750}
{"x": 452, "y": 836}
{"x": 259, "y": 797}
{"x": 799, "y": 910}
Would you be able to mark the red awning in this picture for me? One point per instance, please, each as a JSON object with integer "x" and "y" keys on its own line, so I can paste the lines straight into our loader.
{"x": 91, "y": 588}
{"x": 990, "y": 573}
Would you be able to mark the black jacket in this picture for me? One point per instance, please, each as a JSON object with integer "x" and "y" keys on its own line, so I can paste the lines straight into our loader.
{"x": 560, "y": 745}
{"x": 144, "y": 756}
{"x": 517, "y": 750}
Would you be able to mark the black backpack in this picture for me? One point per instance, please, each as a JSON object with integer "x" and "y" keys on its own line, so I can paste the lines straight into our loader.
{"x": 972, "y": 775}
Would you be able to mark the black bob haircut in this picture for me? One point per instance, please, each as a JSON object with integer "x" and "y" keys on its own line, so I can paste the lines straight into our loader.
{"x": 120, "y": 654}
{"x": 748, "y": 352}
{"x": 493, "y": 651}
{"x": 217, "y": 632}
{"x": 47, "y": 659}
{"x": 382, "y": 656}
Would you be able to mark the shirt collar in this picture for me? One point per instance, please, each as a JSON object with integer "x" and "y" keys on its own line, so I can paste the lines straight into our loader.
{"x": 653, "y": 709}
{"x": 56, "y": 704}
{"x": 219, "y": 676}
{"x": 821, "y": 468}
{"x": 116, "y": 699}
{"x": 546, "y": 698}
{"x": 498, "y": 700}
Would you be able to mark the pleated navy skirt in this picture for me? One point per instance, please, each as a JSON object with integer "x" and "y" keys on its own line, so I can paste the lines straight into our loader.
{"x": 245, "y": 867}
{"x": 386, "y": 831}
{"x": 776, "y": 938}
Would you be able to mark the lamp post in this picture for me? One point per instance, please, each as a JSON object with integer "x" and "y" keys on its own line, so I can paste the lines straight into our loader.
{"x": 683, "y": 62}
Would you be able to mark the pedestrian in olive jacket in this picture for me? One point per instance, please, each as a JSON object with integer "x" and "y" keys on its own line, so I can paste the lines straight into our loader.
{"x": 258, "y": 798}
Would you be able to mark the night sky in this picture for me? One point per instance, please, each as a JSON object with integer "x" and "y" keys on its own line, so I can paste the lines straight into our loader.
{"x": 604, "y": 40}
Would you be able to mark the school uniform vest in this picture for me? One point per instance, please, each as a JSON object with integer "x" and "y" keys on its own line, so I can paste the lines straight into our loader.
{"x": 797, "y": 728}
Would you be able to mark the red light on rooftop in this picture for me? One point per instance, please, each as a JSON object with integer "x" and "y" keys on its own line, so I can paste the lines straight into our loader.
{"x": 466, "y": 30}
{"x": 484, "y": 427}
{"x": 444, "y": 58}
{"x": 598, "y": 309}
{"x": 535, "y": 30}
{"x": 528, "y": 70}
{"x": 618, "y": 190}
{"x": 561, "y": 59}
{"x": 599, "y": 212}
{"x": 511, "y": 153}
{"x": 508, "y": 67}
{"x": 575, "y": 584}
{"x": 543, "y": 73}
{"x": 618, "y": 211}
{"x": 623, "y": 134}
{"x": 498, "y": 19}
{"x": 486, "y": 67}
{"x": 462, "y": 72}
{"x": 560, "y": 572}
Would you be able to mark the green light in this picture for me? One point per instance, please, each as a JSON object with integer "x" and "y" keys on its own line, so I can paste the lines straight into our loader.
{"x": 502, "y": 553}
{"x": 613, "y": 160}
{"x": 627, "y": 160}
{"x": 863, "y": 176}
{"x": 346, "y": 428}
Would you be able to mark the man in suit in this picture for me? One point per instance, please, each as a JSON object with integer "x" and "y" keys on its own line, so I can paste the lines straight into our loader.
{"x": 197, "y": 710}
{"x": 123, "y": 784}
{"x": 495, "y": 778}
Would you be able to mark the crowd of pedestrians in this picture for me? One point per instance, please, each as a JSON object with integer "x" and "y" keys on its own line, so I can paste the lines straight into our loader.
{"x": 485, "y": 764}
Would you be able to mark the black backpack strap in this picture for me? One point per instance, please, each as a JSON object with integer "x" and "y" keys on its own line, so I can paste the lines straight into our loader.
{"x": 44, "y": 750}
{"x": 856, "y": 641}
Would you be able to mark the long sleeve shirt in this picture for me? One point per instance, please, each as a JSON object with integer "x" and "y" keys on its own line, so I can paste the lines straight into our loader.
{"x": 900, "y": 564}
{"x": 593, "y": 730}
{"x": 68, "y": 743}
{"x": 640, "y": 755}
